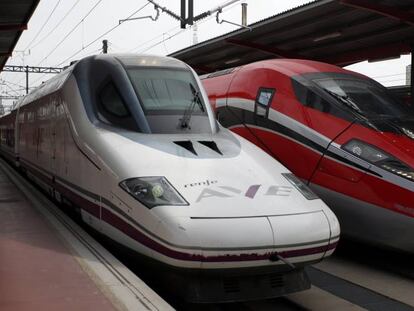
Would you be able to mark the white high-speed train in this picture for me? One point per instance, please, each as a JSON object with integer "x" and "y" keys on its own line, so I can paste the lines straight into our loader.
{"x": 132, "y": 142}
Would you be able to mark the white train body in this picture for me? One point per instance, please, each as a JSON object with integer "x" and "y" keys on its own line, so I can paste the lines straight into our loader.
{"x": 235, "y": 210}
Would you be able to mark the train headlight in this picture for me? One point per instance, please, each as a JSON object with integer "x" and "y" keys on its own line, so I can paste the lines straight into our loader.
{"x": 301, "y": 186}
{"x": 153, "y": 191}
{"x": 379, "y": 158}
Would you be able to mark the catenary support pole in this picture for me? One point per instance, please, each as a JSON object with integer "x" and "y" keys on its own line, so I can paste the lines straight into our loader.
{"x": 27, "y": 79}
{"x": 244, "y": 13}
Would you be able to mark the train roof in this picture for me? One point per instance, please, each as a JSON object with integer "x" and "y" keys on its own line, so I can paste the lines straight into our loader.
{"x": 46, "y": 88}
{"x": 292, "y": 67}
{"x": 288, "y": 67}
{"x": 54, "y": 84}
{"x": 146, "y": 60}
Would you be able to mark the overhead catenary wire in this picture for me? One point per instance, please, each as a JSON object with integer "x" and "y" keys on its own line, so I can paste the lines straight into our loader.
{"x": 162, "y": 41}
{"x": 71, "y": 31}
{"x": 89, "y": 12}
{"x": 57, "y": 25}
{"x": 11, "y": 89}
{"x": 227, "y": 3}
{"x": 44, "y": 24}
{"x": 12, "y": 83}
{"x": 182, "y": 30}
{"x": 153, "y": 39}
{"x": 142, "y": 50}
{"x": 44, "y": 75}
{"x": 91, "y": 42}
{"x": 99, "y": 37}
{"x": 391, "y": 75}
{"x": 395, "y": 80}
{"x": 66, "y": 36}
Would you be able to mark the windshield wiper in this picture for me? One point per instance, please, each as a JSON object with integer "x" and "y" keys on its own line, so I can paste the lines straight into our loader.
{"x": 185, "y": 121}
{"x": 345, "y": 99}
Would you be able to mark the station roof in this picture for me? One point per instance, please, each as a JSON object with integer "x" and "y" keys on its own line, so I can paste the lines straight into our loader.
{"x": 14, "y": 17}
{"x": 340, "y": 32}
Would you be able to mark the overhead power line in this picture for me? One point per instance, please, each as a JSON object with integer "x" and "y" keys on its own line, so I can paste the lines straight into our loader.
{"x": 13, "y": 90}
{"x": 91, "y": 42}
{"x": 99, "y": 37}
{"x": 57, "y": 25}
{"x": 391, "y": 75}
{"x": 166, "y": 38}
{"x": 11, "y": 83}
{"x": 44, "y": 24}
{"x": 162, "y": 41}
{"x": 70, "y": 32}
{"x": 31, "y": 69}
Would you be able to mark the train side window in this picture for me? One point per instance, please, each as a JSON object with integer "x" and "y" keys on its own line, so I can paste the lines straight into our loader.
{"x": 300, "y": 91}
{"x": 263, "y": 100}
{"x": 112, "y": 108}
{"x": 309, "y": 98}
{"x": 112, "y": 102}
{"x": 314, "y": 101}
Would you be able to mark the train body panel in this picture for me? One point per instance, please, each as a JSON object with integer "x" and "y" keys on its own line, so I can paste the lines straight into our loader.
{"x": 339, "y": 131}
{"x": 130, "y": 142}
{"x": 8, "y": 135}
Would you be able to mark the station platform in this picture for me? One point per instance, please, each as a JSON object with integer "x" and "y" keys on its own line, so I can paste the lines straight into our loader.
{"x": 47, "y": 262}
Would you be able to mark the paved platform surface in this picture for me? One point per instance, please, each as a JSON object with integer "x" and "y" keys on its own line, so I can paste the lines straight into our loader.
{"x": 37, "y": 271}
{"x": 47, "y": 262}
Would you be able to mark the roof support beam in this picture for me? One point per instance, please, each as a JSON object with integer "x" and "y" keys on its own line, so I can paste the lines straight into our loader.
{"x": 11, "y": 27}
{"x": 202, "y": 69}
{"x": 372, "y": 53}
{"x": 263, "y": 48}
{"x": 384, "y": 10}
{"x": 412, "y": 77}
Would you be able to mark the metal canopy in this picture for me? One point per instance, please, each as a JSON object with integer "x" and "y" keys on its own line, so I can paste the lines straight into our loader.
{"x": 14, "y": 16}
{"x": 339, "y": 32}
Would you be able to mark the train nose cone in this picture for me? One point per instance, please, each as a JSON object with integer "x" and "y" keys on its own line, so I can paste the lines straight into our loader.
{"x": 216, "y": 242}
{"x": 302, "y": 236}
{"x": 220, "y": 242}
{"x": 232, "y": 233}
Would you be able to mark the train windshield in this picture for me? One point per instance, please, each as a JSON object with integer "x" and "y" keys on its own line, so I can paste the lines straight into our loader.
{"x": 171, "y": 100}
{"x": 365, "y": 97}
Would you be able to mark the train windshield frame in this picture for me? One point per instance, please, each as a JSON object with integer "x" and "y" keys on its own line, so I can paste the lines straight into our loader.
{"x": 171, "y": 99}
{"x": 357, "y": 95}
{"x": 164, "y": 90}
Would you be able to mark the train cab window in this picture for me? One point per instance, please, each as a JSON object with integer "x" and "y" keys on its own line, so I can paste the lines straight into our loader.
{"x": 170, "y": 99}
{"x": 263, "y": 101}
{"x": 308, "y": 96}
{"x": 112, "y": 109}
{"x": 348, "y": 96}
{"x": 363, "y": 96}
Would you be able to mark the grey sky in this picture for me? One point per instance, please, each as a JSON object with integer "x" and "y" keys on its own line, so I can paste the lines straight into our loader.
{"x": 49, "y": 47}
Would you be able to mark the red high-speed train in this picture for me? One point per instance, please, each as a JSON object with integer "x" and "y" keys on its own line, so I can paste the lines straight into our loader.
{"x": 338, "y": 130}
